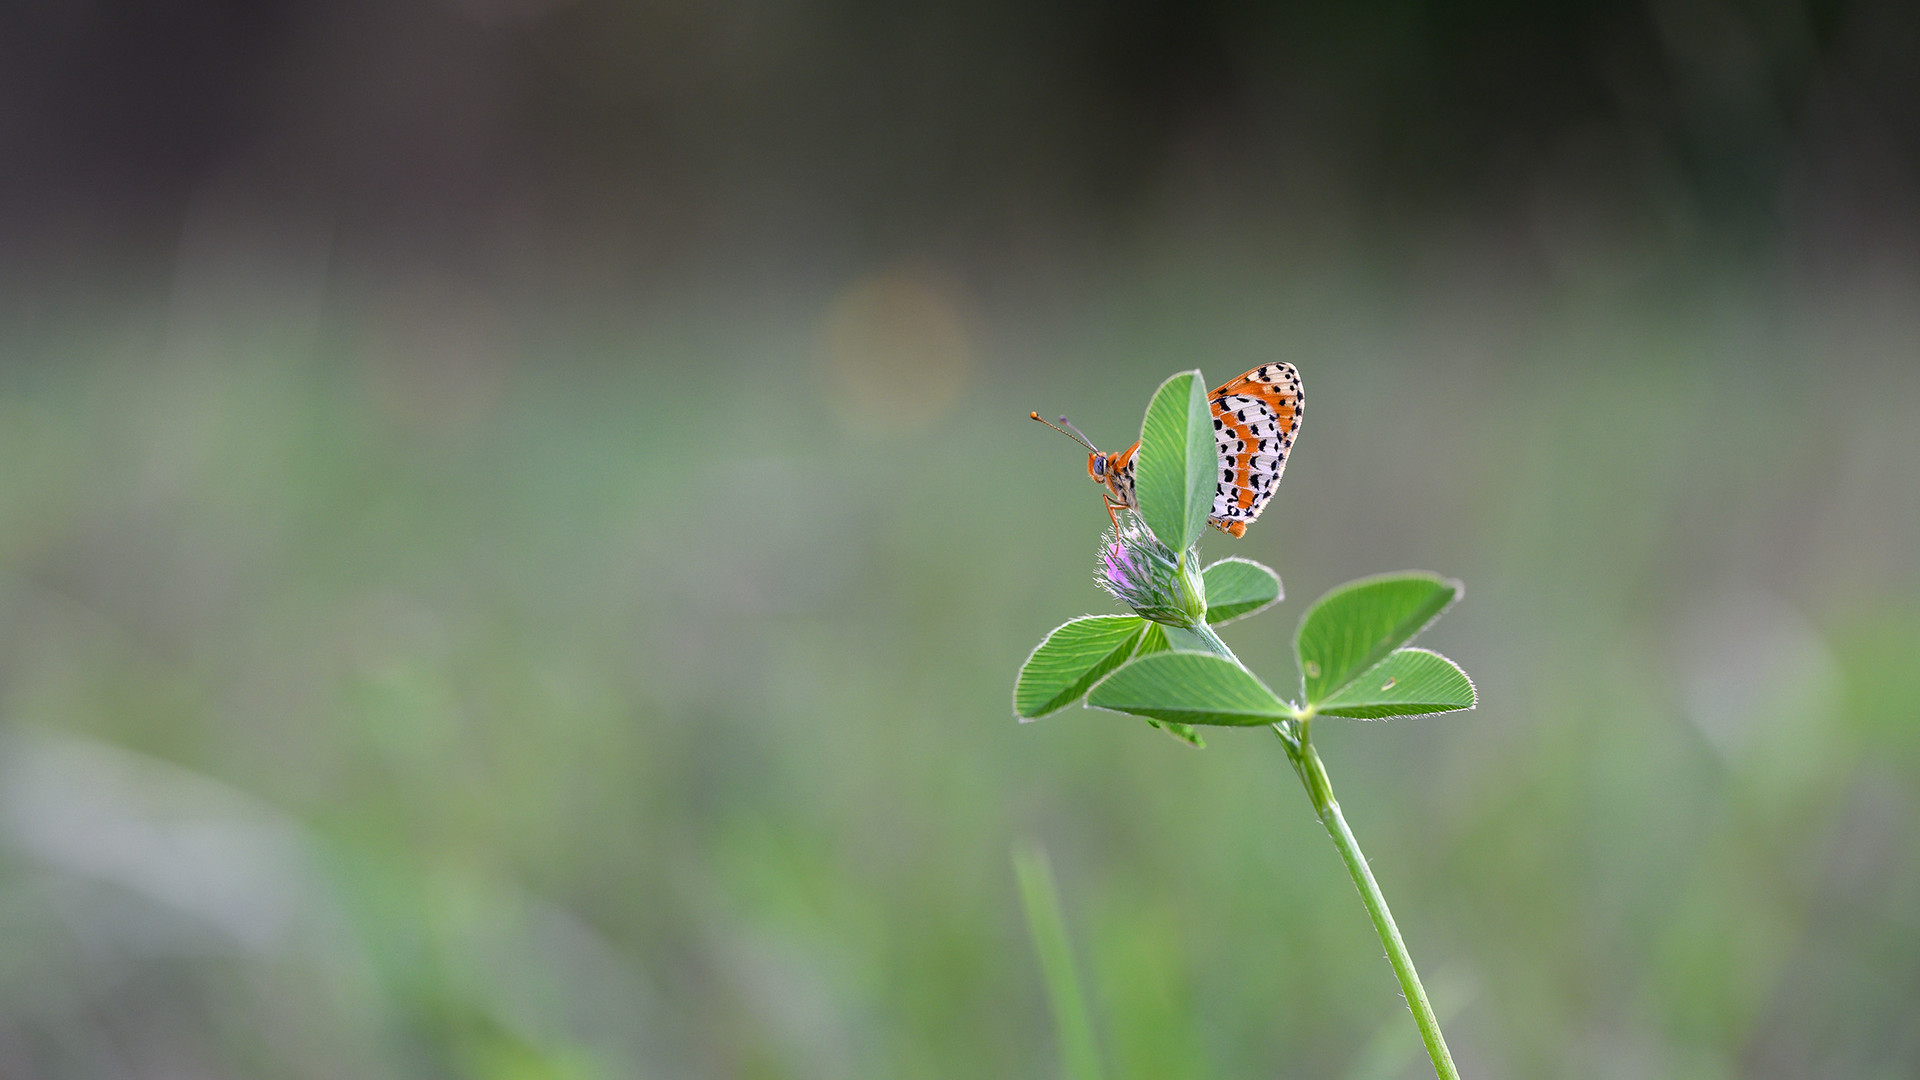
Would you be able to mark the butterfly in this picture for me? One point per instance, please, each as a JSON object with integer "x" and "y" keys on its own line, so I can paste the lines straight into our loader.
{"x": 1255, "y": 419}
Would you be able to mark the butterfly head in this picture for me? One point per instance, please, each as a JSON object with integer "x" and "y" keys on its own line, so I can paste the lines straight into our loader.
{"x": 1111, "y": 471}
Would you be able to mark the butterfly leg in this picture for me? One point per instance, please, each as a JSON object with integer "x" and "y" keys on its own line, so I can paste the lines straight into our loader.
{"x": 1111, "y": 507}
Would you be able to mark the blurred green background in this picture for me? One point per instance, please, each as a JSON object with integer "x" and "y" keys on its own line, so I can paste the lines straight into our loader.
{"x": 518, "y": 524}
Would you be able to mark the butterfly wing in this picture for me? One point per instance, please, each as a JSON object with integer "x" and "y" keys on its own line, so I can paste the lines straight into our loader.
{"x": 1255, "y": 418}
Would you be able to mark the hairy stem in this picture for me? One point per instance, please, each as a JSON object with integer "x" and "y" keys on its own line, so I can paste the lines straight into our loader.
{"x": 1200, "y": 638}
{"x": 1313, "y": 774}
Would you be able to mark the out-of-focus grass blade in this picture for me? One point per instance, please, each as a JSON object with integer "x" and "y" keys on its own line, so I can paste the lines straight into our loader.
{"x": 1071, "y": 659}
{"x": 1356, "y": 625}
{"x": 1175, "y": 470}
{"x": 1238, "y": 587}
{"x": 1409, "y": 682}
{"x": 1073, "y": 1025}
{"x": 1189, "y": 688}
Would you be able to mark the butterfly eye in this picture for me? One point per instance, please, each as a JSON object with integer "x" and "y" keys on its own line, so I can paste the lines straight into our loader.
{"x": 1100, "y": 466}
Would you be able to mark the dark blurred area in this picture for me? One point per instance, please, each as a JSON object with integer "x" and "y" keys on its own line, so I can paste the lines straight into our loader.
{"x": 646, "y": 142}
{"x": 518, "y": 525}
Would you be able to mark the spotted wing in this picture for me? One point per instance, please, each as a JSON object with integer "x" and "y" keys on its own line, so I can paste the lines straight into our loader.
{"x": 1255, "y": 418}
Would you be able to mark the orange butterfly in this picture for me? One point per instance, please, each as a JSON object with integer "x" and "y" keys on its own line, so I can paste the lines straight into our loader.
{"x": 1255, "y": 418}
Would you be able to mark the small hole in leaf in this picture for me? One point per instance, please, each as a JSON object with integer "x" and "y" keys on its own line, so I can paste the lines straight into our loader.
{"x": 1313, "y": 670}
{"x": 1388, "y": 685}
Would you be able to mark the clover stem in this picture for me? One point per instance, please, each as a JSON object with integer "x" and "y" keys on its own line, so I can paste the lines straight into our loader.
{"x": 1204, "y": 632}
{"x": 1294, "y": 735}
{"x": 1313, "y": 774}
{"x": 1199, "y": 638}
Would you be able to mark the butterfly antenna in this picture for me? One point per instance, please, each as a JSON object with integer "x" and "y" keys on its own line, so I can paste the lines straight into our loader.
{"x": 1069, "y": 431}
{"x": 1076, "y": 431}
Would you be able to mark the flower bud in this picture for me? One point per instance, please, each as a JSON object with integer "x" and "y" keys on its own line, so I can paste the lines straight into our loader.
{"x": 1147, "y": 576}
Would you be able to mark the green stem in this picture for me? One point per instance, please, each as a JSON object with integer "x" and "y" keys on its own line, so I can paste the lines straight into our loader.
{"x": 1200, "y": 638}
{"x": 1313, "y": 775}
{"x": 1306, "y": 762}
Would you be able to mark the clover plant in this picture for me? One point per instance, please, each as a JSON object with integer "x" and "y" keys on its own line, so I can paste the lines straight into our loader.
{"x": 1167, "y": 664}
